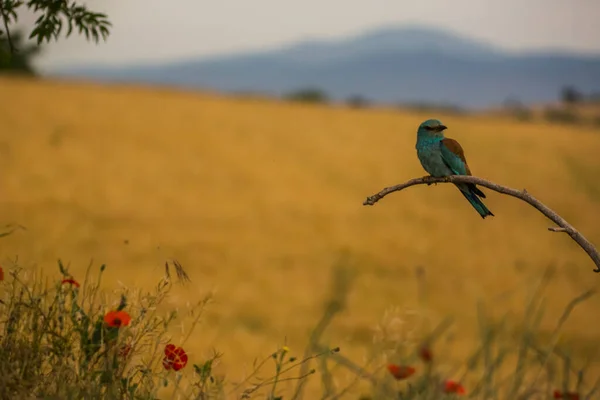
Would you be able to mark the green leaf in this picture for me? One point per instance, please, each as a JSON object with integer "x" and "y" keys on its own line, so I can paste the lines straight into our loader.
{"x": 122, "y": 303}
{"x": 205, "y": 370}
{"x": 62, "y": 268}
{"x": 111, "y": 334}
{"x": 95, "y": 343}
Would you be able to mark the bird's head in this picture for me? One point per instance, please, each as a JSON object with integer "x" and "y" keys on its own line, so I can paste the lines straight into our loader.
{"x": 431, "y": 128}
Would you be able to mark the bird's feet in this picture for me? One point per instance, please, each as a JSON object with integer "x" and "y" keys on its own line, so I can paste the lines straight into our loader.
{"x": 429, "y": 180}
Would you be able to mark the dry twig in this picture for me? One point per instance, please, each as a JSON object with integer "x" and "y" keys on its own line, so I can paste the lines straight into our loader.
{"x": 563, "y": 226}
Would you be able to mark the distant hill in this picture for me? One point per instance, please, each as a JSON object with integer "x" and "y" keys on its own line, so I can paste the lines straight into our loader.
{"x": 391, "y": 65}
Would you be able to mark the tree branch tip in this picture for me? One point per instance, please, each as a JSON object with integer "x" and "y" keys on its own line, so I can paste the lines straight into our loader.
{"x": 563, "y": 226}
{"x": 557, "y": 229}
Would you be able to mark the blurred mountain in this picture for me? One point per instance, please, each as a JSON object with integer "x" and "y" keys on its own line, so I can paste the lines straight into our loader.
{"x": 390, "y": 65}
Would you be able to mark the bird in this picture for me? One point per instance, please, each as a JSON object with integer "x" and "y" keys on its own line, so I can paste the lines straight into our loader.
{"x": 441, "y": 156}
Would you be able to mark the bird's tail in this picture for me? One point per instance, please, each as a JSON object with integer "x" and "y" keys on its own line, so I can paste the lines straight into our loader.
{"x": 472, "y": 193}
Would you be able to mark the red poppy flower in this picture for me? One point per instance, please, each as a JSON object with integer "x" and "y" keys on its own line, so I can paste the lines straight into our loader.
{"x": 71, "y": 281}
{"x": 568, "y": 395}
{"x": 125, "y": 350}
{"x": 117, "y": 319}
{"x": 1, "y": 274}
{"x": 454, "y": 387}
{"x": 425, "y": 354}
{"x": 175, "y": 357}
{"x": 401, "y": 371}
{"x": 170, "y": 349}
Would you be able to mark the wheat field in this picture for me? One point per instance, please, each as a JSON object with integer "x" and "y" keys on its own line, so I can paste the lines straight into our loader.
{"x": 258, "y": 198}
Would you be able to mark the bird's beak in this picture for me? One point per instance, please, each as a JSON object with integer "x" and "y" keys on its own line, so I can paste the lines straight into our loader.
{"x": 441, "y": 128}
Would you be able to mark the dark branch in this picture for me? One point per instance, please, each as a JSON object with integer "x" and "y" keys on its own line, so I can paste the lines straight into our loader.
{"x": 563, "y": 226}
{"x": 5, "y": 20}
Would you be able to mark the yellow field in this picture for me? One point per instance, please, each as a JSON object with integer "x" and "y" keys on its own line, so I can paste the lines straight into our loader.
{"x": 258, "y": 198}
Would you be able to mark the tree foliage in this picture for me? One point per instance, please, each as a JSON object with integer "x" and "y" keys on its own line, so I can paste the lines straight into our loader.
{"x": 20, "y": 61}
{"x": 308, "y": 95}
{"x": 54, "y": 18}
{"x": 570, "y": 95}
{"x": 357, "y": 101}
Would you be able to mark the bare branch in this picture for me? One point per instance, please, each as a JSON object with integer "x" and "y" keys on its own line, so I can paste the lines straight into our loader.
{"x": 563, "y": 226}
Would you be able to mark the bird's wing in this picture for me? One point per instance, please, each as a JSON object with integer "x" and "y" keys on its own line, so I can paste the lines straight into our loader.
{"x": 454, "y": 157}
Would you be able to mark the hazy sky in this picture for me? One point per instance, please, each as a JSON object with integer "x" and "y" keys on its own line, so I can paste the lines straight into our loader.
{"x": 169, "y": 29}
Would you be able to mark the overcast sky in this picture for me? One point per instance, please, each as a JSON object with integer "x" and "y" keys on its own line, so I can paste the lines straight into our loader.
{"x": 170, "y": 29}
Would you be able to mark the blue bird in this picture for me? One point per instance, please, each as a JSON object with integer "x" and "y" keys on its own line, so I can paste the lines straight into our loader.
{"x": 441, "y": 156}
